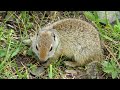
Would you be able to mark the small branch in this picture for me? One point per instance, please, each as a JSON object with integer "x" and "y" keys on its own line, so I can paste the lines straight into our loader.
{"x": 111, "y": 54}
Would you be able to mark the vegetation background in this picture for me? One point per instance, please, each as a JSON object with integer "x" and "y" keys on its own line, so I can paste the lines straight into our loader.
{"x": 17, "y": 61}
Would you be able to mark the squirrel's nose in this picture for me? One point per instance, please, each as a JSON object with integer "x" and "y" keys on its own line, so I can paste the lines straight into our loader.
{"x": 43, "y": 62}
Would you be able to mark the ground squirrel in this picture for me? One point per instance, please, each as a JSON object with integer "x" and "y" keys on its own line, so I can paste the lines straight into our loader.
{"x": 73, "y": 38}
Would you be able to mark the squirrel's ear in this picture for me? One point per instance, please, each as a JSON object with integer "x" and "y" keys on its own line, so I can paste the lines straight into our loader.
{"x": 54, "y": 31}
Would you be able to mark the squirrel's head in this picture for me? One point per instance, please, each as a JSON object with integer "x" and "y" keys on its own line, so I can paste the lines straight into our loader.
{"x": 45, "y": 44}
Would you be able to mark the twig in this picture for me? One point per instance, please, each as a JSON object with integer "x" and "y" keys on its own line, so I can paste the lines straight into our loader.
{"x": 26, "y": 70}
{"x": 111, "y": 54}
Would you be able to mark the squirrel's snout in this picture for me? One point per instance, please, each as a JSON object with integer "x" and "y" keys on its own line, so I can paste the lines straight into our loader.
{"x": 43, "y": 61}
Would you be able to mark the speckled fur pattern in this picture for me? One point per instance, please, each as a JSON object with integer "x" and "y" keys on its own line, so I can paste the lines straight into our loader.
{"x": 77, "y": 39}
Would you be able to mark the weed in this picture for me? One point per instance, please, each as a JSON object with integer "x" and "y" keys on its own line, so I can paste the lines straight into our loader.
{"x": 110, "y": 34}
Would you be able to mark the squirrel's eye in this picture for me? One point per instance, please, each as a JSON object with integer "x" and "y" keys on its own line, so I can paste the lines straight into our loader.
{"x": 51, "y": 49}
{"x": 54, "y": 36}
{"x": 36, "y": 47}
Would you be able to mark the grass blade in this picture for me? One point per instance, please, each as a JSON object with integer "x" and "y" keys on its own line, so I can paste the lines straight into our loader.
{"x": 50, "y": 72}
{"x": 15, "y": 52}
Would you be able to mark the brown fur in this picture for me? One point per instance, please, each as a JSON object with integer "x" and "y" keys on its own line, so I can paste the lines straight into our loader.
{"x": 77, "y": 39}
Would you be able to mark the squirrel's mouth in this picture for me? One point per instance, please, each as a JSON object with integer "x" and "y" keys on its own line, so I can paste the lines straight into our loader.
{"x": 43, "y": 62}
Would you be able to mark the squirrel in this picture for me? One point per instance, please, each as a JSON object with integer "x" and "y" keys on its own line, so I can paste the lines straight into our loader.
{"x": 71, "y": 37}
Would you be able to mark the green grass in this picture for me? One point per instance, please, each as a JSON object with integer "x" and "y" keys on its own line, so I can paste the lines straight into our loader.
{"x": 13, "y": 49}
{"x": 110, "y": 37}
{"x": 10, "y": 47}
